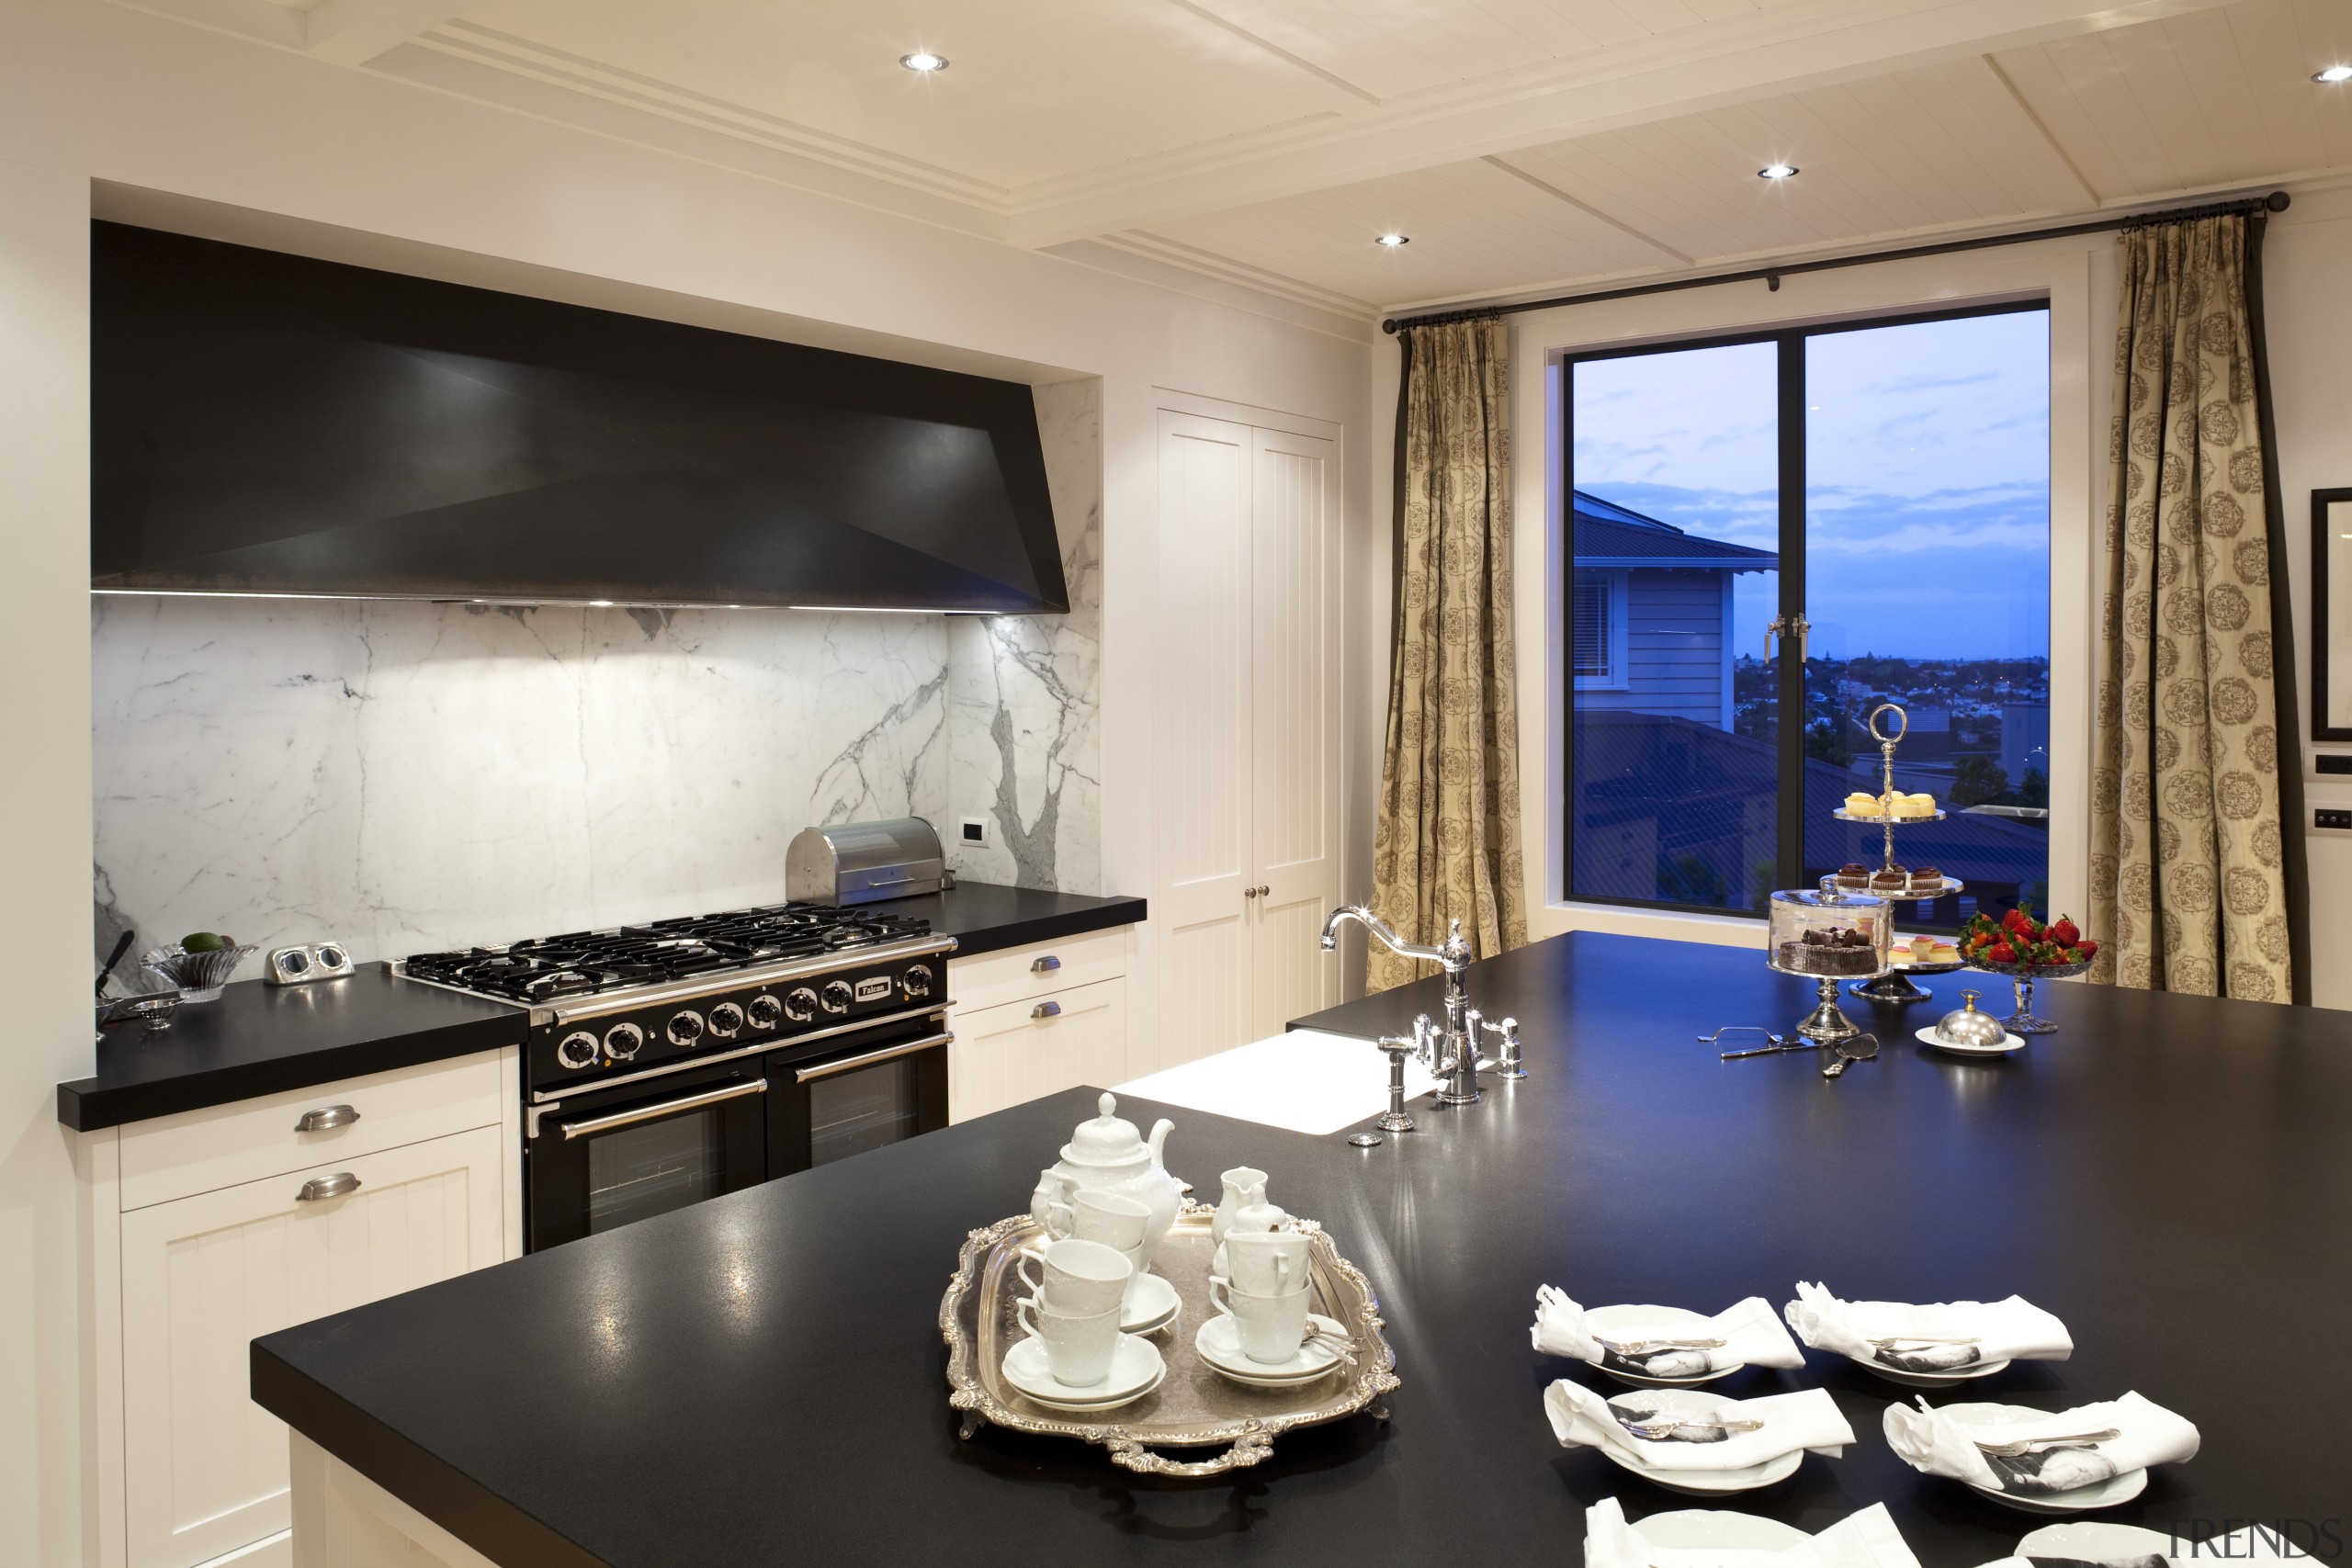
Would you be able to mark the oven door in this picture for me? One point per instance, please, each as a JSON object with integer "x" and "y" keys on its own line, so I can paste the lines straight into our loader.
{"x": 849, "y": 1096}
{"x": 596, "y": 1161}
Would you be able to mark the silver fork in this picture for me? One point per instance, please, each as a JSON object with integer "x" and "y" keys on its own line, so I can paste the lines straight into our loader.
{"x": 1925, "y": 1339}
{"x": 1338, "y": 1344}
{"x": 2027, "y": 1445}
{"x": 1656, "y": 1430}
{"x": 1643, "y": 1346}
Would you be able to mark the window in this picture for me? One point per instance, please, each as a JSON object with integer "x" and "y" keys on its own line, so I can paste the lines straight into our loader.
{"x": 1770, "y": 535}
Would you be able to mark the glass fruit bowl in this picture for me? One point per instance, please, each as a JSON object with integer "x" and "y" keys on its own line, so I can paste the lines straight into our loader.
{"x": 198, "y": 976}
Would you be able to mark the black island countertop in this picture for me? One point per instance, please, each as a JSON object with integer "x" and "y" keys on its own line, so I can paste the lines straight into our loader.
{"x": 760, "y": 1379}
{"x": 259, "y": 1039}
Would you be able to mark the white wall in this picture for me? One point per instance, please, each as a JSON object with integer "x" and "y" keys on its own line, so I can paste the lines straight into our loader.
{"x": 92, "y": 92}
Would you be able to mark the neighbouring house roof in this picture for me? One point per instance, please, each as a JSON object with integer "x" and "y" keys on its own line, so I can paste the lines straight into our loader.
{"x": 1610, "y": 536}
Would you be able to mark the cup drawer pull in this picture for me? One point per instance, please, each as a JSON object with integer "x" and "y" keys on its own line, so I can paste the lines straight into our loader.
{"x": 327, "y": 1118}
{"x": 1046, "y": 1009}
{"x": 1045, "y": 966}
{"x": 319, "y": 1188}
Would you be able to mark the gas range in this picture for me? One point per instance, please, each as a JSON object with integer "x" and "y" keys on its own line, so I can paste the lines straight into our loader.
{"x": 610, "y": 1005}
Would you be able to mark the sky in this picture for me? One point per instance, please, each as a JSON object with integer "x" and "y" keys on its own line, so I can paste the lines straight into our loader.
{"x": 1928, "y": 476}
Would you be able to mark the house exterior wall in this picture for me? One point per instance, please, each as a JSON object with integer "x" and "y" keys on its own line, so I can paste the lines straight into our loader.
{"x": 1676, "y": 662}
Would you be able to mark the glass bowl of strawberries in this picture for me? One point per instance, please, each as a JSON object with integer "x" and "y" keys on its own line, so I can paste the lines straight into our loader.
{"x": 2022, "y": 948}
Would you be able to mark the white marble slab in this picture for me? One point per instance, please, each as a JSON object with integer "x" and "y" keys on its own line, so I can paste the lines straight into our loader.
{"x": 1303, "y": 1081}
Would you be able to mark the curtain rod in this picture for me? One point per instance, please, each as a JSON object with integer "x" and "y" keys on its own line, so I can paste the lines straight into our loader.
{"x": 2277, "y": 201}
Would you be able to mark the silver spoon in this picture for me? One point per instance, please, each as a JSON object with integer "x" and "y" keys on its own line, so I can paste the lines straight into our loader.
{"x": 1655, "y": 1431}
{"x": 1643, "y": 1346}
{"x": 2027, "y": 1445}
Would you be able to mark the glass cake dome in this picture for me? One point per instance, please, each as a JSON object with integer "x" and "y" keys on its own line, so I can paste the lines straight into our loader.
{"x": 1830, "y": 932}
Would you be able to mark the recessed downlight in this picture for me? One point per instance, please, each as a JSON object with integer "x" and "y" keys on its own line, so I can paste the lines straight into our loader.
{"x": 2334, "y": 73}
{"x": 1391, "y": 241}
{"x": 1776, "y": 172}
{"x": 923, "y": 62}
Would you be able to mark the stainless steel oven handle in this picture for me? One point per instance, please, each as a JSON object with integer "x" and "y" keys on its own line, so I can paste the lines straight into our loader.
{"x": 850, "y": 1064}
{"x": 588, "y": 1124}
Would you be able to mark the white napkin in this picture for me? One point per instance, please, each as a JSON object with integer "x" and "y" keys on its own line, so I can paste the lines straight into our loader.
{"x": 1930, "y": 1441}
{"x": 1748, "y": 1330}
{"x": 1792, "y": 1421}
{"x": 2011, "y": 1330}
{"x": 1864, "y": 1540}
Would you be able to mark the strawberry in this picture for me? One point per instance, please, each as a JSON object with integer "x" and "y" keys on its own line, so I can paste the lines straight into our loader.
{"x": 2064, "y": 932}
{"x": 2001, "y": 953}
{"x": 2088, "y": 948}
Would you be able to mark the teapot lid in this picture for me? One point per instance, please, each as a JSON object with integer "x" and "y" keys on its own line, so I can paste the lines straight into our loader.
{"x": 1105, "y": 1140}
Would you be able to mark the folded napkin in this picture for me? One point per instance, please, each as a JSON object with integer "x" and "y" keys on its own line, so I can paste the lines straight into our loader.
{"x": 2011, "y": 1330}
{"x": 1864, "y": 1540}
{"x": 1748, "y": 1330}
{"x": 1929, "y": 1439}
{"x": 1792, "y": 1421}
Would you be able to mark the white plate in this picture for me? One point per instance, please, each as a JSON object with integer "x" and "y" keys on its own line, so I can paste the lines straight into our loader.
{"x": 1136, "y": 1368}
{"x": 2106, "y": 1494}
{"x": 2008, "y": 1042}
{"x": 1932, "y": 1379}
{"x": 1718, "y": 1529}
{"x": 1698, "y": 1405}
{"x": 1220, "y": 1345}
{"x": 1630, "y": 1322}
{"x": 2093, "y": 1542}
{"x": 1151, "y": 1305}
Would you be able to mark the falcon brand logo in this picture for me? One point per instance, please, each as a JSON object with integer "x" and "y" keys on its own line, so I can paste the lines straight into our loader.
{"x": 874, "y": 990}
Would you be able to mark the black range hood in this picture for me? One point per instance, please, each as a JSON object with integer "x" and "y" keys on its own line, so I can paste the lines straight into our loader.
{"x": 268, "y": 423}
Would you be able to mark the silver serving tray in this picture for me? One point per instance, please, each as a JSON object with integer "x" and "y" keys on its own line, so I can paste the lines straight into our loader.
{"x": 1193, "y": 1406}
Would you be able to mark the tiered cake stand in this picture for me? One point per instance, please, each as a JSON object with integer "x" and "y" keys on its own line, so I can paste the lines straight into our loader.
{"x": 1895, "y": 986}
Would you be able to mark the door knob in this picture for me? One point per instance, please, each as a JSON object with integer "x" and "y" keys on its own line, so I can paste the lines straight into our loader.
{"x": 1264, "y": 890}
{"x": 1249, "y": 893}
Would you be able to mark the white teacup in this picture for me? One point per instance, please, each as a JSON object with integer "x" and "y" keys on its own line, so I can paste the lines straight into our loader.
{"x": 1243, "y": 1186}
{"x": 1076, "y": 1279}
{"x": 1247, "y": 1219}
{"x": 1271, "y": 1329}
{"x": 1053, "y": 1202}
{"x": 1077, "y": 1349}
{"x": 1120, "y": 1224}
{"x": 1266, "y": 1263}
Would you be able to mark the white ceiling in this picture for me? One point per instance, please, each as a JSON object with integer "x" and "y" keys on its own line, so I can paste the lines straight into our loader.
{"x": 1524, "y": 144}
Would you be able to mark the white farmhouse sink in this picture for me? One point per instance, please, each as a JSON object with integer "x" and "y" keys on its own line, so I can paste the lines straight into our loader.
{"x": 1303, "y": 1081}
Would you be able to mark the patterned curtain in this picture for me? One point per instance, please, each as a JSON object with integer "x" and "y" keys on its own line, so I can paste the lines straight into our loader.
{"x": 1447, "y": 847}
{"x": 2190, "y": 872}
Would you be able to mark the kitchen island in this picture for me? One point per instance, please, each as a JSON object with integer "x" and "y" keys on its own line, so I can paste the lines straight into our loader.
{"x": 758, "y": 1379}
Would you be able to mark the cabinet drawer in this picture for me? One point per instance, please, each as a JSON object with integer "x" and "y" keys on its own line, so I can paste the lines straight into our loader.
{"x": 220, "y": 1146}
{"x": 1040, "y": 968}
{"x": 1021, "y": 1051}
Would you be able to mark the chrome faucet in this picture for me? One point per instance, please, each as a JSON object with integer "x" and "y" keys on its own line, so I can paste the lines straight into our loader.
{"x": 1451, "y": 1052}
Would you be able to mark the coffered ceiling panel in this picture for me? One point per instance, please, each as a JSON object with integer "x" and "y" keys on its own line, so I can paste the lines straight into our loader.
{"x": 2198, "y": 101}
{"x": 1473, "y": 226}
{"x": 1035, "y": 89}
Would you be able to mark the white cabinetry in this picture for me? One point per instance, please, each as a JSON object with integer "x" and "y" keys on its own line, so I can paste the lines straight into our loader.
{"x": 1249, "y": 529}
{"x": 1034, "y": 1020}
{"x": 217, "y": 1226}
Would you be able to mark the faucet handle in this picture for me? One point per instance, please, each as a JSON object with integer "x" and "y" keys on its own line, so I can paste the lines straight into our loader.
{"x": 1510, "y": 1066}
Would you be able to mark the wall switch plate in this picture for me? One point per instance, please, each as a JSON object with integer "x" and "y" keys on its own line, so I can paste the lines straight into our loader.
{"x": 2332, "y": 762}
{"x": 2332, "y": 817}
{"x": 976, "y": 830}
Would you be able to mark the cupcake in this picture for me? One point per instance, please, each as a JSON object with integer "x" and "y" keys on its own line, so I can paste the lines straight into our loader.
{"x": 1860, "y": 805}
{"x": 1855, "y": 875}
{"x": 1927, "y": 881}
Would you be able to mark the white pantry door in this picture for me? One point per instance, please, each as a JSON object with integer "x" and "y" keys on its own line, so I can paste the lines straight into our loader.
{"x": 1295, "y": 699}
{"x": 202, "y": 1276}
{"x": 1205, "y": 737}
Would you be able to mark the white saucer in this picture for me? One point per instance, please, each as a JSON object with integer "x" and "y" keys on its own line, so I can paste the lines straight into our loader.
{"x": 1152, "y": 1306}
{"x": 2092, "y": 1542}
{"x": 1220, "y": 1344}
{"x": 1699, "y": 1405}
{"x": 1627, "y": 1322}
{"x": 1136, "y": 1368}
{"x": 2008, "y": 1042}
{"x": 1718, "y": 1529}
{"x": 2120, "y": 1488}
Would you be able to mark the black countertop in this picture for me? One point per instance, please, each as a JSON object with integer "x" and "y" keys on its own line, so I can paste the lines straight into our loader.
{"x": 760, "y": 1379}
{"x": 261, "y": 1039}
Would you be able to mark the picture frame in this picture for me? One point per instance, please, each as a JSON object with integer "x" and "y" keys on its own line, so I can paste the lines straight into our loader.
{"x": 2332, "y": 587}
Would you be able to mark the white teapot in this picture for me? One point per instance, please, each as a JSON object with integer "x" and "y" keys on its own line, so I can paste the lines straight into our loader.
{"x": 1106, "y": 1155}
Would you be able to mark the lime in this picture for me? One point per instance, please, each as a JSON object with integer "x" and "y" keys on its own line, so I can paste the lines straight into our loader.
{"x": 204, "y": 941}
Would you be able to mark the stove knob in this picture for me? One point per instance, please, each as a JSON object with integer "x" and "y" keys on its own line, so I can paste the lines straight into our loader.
{"x": 686, "y": 1027}
{"x": 725, "y": 1020}
{"x": 801, "y": 1005}
{"x": 917, "y": 980}
{"x": 838, "y": 996}
{"x": 578, "y": 1050}
{"x": 622, "y": 1040}
{"x": 764, "y": 1013}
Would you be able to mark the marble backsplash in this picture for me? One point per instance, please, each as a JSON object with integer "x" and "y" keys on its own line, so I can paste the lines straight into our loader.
{"x": 408, "y": 776}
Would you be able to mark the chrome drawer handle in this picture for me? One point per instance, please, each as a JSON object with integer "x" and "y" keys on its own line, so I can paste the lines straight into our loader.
{"x": 1046, "y": 1009}
{"x": 327, "y": 1118}
{"x": 1045, "y": 966}
{"x": 886, "y": 1053}
{"x": 319, "y": 1188}
{"x": 587, "y": 1125}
